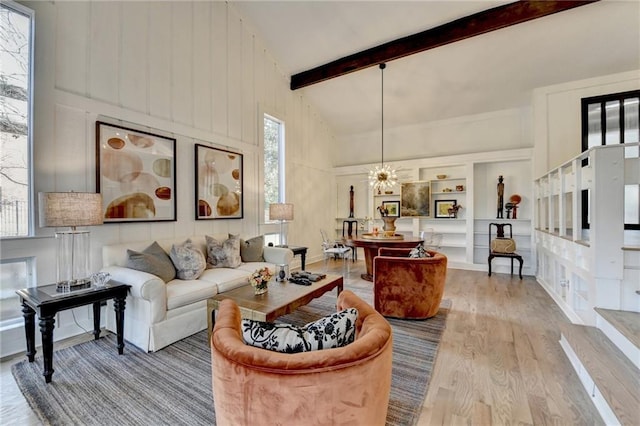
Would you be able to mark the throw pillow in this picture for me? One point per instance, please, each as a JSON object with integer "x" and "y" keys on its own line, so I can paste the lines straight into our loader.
{"x": 188, "y": 260}
{"x": 503, "y": 245}
{"x": 333, "y": 331}
{"x": 419, "y": 252}
{"x": 223, "y": 254}
{"x": 252, "y": 250}
{"x": 153, "y": 260}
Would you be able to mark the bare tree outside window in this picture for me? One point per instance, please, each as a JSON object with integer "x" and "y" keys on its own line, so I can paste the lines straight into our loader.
{"x": 15, "y": 68}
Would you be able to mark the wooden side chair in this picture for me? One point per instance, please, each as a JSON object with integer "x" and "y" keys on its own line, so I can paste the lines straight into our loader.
{"x": 502, "y": 246}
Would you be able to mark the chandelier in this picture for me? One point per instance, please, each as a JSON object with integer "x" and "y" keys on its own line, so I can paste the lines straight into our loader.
{"x": 382, "y": 177}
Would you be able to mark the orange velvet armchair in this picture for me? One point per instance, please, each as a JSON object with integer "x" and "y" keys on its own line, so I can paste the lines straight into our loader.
{"x": 406, "y": 287}
{"x": 347, "y": 385}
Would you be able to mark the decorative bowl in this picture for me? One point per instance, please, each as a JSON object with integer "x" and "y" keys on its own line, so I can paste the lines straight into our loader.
{"x": 441, "y": 176}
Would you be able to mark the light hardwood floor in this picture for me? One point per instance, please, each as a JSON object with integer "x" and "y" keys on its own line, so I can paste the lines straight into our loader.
{"x": 499, "y": 362}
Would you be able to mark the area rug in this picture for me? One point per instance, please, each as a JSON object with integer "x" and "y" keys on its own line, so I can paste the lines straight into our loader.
{"x": 92, "y": 385}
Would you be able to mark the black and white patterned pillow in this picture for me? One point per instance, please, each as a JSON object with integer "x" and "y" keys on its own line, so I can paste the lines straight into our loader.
{"x": 333, "y": 331}
{"x": 419, "y": 252}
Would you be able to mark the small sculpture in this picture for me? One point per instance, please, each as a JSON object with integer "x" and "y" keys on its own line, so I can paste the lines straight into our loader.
{"x": 351, "y": 202}
{"x": 453, "y": 210}
{"x": 500, "y": 198}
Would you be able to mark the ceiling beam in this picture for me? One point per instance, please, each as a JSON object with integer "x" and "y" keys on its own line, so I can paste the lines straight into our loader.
{"x": 460, "y": 29}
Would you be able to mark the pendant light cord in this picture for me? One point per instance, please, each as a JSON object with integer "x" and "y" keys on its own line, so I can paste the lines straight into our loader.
{"x": 382, "y": 67}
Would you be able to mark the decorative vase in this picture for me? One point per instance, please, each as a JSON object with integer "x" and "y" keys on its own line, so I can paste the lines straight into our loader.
{"x": 389, "y": 227}
{"x": 260, "y": 289}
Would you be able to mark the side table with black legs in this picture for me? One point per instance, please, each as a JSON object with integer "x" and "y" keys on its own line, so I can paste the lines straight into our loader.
{"x": 298, "y": 250}
{"x": 47, "y": 301}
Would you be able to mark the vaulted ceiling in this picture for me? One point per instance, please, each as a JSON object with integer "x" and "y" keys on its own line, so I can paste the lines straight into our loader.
{"x": 488, "y": 72}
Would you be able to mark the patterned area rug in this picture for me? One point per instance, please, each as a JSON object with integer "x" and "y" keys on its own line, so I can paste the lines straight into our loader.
{"x": 92, "y": 385}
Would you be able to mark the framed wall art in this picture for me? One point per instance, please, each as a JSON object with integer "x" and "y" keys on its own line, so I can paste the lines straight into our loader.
{"x": 393, "y": 207}
{"x": 136, "y": 174}
{"x": 218, "y": 183}
{"x": 415, "y": 198}
{"x": 443, "y": 208}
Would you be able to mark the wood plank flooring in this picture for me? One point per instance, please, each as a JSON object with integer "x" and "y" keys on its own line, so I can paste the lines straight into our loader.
{"x": 499, "y": 361}
{"x": 615, "y": 376}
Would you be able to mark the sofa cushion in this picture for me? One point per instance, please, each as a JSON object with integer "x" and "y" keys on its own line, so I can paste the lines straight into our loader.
{"x": 419, "y": 252}
{"x": 185, "y": 292}
{"x": 153, "y": 260}
{"x": 226, "y": 278}
{"x": 223, "y": 254}
{"x": 188, "y": 260}
{"x": 252, "y": 250}
{"x": 333, "y": 331}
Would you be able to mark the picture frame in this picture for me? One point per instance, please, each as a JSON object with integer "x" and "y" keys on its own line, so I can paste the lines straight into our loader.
{"x": 415, "y": 199}
{"x": 393, "y": 207}
{"x": 218, "y": 183}
{"x": 136, "y": 174}
{"x": 441, "y": 208}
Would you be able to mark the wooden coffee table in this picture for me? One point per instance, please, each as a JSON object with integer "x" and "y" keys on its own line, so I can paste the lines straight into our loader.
{"x": 281, "y": 299}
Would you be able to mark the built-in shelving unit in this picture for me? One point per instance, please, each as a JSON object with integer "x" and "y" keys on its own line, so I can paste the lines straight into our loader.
{"x": 470, "y": 181}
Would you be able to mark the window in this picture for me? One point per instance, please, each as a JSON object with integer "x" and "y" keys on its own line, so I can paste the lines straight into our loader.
{"x": 15, "y": 274}
{"x": 273, "y": 163}
{"x": 608, "y": 120}
{"x": 16, "y": 65}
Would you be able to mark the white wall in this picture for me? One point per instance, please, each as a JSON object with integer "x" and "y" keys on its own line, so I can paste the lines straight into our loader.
{"x": 556, "y": 111}
{"x": 491, "y": 131}
{"x": 190, "y": 70}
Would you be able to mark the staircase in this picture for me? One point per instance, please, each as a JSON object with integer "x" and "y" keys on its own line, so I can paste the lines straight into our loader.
{"x": 607, "y": 360}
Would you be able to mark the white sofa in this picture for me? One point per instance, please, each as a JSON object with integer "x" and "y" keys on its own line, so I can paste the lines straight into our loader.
{"x": 158, "y": 314}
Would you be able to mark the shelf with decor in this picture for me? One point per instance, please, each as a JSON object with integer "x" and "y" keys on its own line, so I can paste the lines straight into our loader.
{"x": 469, "y": 181}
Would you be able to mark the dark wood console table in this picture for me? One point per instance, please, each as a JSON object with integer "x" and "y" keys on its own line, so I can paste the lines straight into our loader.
{"x": 47, "y": 301}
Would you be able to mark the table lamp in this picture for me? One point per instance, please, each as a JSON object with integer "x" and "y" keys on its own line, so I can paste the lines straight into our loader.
{"x": 72, "y": 209}
{"x": 281, "y": 212}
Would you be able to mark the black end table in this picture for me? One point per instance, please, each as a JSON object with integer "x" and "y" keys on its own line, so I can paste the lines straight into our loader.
{"x": 298, "y": 250}
{"x": 46, "y": 301}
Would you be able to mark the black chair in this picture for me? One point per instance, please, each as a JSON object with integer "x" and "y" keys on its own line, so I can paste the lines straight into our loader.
{"x": 499, "y": 229}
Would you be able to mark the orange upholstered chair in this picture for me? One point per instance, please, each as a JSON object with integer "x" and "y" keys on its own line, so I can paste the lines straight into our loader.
{"x": 347, "y": 385}
{"x": 406, "y": 287}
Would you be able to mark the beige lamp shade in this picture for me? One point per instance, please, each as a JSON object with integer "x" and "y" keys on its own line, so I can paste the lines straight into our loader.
{"x": 70, "y": 209}
{"x": 281, "y": 211}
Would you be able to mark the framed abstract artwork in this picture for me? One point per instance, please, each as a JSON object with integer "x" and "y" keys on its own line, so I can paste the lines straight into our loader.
{"x": 415, "y": 198}
{"x": 136, "y": 174}
{"x": 218, "y": 183}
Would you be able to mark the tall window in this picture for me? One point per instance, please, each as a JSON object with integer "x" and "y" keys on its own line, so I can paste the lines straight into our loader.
{"x": 16, "y": 46}
{"x": 273, "y": 163}
{"x": 609, "y": 120}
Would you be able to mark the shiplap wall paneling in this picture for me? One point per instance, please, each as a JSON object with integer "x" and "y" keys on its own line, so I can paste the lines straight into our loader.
{"x": 71, "y": 49}
{"x": 104, "y": 54}
{"x": 72, "y": 150}
{"x": 202, "y": 69}
{"x": 182, "y": 63}
{"x": 159, "y": 77}
{"x": 219, "y": 71}
{"x": 234, "y": 76}
{"x": 249, "y": 106}
{"x": 134, "y": 60}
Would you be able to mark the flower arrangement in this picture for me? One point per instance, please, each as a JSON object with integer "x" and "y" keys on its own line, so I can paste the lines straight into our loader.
{"x": 260, "y": 278}
{"x": 384, "y": 212}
